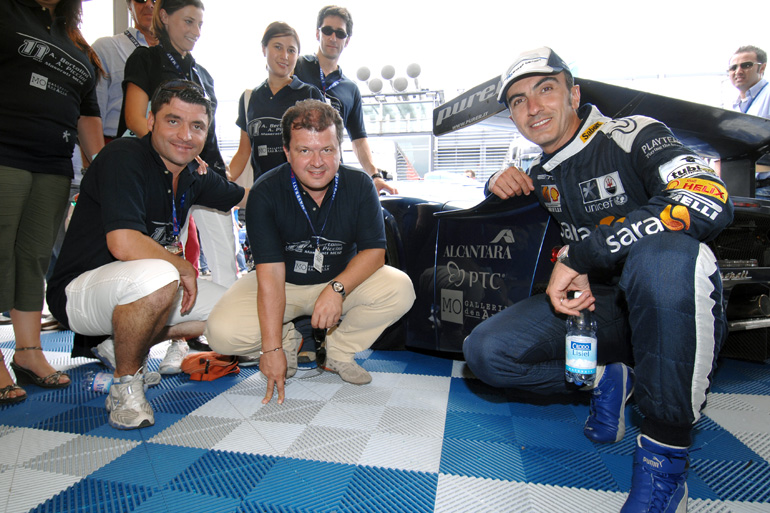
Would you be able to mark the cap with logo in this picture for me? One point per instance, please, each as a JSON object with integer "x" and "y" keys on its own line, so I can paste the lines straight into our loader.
{"x": 541, "y": 61}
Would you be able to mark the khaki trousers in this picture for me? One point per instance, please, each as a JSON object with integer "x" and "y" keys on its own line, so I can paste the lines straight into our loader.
{"x": 233, "y": 325}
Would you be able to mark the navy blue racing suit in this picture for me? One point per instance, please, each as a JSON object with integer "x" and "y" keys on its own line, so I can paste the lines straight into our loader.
{"x": 636, "y": 208}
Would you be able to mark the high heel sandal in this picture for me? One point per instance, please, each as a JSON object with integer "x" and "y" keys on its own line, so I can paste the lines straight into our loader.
{"x": 5, "y": 392}
{"x": 27, "y": 377}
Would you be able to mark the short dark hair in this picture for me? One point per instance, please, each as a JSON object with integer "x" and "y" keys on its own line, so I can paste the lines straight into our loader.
{"x": 188, "y": 92}
{"x": 760, "y": 53}
{"x": 334, "y": 10}
{"x": 313, "y": 115}
{"x": 170, "y": 6}
{"x": 279, "y": 29}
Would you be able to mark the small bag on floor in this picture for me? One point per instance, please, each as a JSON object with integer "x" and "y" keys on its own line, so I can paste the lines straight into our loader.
{"x": 209, "y": 365}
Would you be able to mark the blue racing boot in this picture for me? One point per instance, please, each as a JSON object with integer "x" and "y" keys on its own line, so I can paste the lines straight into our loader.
{"x": 659, "y": 481}
{"x": 607, "y": 421}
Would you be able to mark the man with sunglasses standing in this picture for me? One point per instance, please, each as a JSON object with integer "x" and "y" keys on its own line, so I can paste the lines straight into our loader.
{"x": 113, "y": 51}
{"x": 746, "y": 70}
{"x": 334, "y": 28}
{"x": 121, "y": 272}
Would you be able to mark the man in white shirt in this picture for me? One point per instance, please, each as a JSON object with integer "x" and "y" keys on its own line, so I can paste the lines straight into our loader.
{"x": 746, "y": 70}
{"x": 113, "y": 51}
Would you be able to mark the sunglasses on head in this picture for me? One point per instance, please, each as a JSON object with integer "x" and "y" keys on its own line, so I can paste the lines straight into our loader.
{"x": 145, "y": 1}
{"x": 328, "y": 31}
{"x": 743, "y": 65}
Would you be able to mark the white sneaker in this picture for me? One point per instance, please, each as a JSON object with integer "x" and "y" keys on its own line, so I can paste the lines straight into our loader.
{"x": 172, "y": 362}
{"x": 127, "y": 404}
{"x": 105, "y": 352}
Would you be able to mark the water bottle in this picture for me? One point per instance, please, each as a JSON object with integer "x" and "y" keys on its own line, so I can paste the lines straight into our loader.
{"x": 102, "y": 381}
{"x": 97, "y": 381}
{"x": 581, "y": 348}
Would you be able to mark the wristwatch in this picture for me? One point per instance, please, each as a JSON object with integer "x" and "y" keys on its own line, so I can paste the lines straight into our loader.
{"x": 563, "y": 255}
{"x": 338, "y": 287}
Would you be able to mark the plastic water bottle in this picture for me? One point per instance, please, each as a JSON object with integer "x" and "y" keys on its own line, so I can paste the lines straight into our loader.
{"x": 97, "y": 381}
{"x": 581, "y": 348}
{"x": 102, "y": 381}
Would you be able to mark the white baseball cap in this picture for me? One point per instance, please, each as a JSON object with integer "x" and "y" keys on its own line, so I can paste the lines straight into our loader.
{"x": 540, "y": 61}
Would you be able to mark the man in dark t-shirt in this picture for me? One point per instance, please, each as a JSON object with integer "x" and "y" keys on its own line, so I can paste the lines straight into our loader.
{"x": 120, "y": 271}
{"x": 318, "y": 242}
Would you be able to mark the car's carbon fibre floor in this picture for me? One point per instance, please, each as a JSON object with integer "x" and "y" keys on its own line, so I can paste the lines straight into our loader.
{"x": 423, "y": 436}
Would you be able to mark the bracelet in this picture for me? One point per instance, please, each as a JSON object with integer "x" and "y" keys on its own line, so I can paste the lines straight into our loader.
{"x": 270, "y": 351}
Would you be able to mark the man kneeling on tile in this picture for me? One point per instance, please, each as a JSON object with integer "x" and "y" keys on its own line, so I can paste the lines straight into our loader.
{"x": 318, "y": 241}
{"x": 121, "y": 271}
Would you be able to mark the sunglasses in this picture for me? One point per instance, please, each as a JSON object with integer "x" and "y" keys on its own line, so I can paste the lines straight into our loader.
{"x": 328, "y": 31}
{"x": 145, "y": 1}
{"x": 743, "y": 65}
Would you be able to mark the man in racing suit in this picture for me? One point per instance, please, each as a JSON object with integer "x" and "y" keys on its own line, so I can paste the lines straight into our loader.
{"x": 635, "y": 207}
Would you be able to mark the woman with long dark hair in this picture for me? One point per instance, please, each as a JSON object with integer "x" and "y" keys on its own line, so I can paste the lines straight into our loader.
{"x": 47, "y": 100}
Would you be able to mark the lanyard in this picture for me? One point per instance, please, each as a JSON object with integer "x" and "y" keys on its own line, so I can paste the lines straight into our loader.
{"x": 753, "y": 97}
{"x": 132, "y": 38}
{"x": 181, "y": 72}
{"x": 323, "y": 80}
{"x": 173, "y": 210}
{"x": 316, "y": 235}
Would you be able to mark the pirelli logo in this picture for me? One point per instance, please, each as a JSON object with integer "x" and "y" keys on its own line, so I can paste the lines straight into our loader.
{"x": 700, "y": 186}
{"x": 590, "y": 131}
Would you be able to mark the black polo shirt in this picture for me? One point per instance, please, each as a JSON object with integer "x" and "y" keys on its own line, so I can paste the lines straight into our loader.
{"x": 264, "y": 121}
{"x": 148, "y": 67}
{"x": 46, "y": 84}
{"x": 129, "y": 187}
{"x": 342, "y": 93}
{"x": 279, "y": 231}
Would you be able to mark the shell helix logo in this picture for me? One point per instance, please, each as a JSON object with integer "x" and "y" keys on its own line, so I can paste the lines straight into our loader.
{"x": 675, "y": 218}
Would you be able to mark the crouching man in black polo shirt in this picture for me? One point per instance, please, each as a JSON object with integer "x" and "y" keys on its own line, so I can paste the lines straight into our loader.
{"x": 318, "y": 240}
{"x": 121, "y": 271}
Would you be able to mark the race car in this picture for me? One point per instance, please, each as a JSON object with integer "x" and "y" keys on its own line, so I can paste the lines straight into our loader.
{"x": 469, "y": 262}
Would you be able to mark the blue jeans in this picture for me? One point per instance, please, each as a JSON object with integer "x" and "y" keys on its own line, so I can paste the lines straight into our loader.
{"x": 665, "y": 317}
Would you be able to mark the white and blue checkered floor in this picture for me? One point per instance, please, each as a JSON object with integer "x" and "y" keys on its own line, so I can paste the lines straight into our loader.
{"x": 423, "y": 436}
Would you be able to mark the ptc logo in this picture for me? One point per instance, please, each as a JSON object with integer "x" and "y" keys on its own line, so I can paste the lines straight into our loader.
{"x": 505, "y": 235}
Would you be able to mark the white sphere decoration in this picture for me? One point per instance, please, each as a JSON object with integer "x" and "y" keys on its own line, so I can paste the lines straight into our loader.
{"x": 400, "y": 84}
{"x": 413, "y": 70}
{"x": 363, "y": 74}
{"x": 388, "y": 72}
{"x": 375, "y": 85}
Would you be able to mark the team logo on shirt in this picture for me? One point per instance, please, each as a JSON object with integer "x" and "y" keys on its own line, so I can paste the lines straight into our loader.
{"x": 700, "y": 186}
{"x": 591, "y": 130}
{"x": 603, "y": 192}
{"x": 551, "y": 197}
{"x": 684, "y": 166}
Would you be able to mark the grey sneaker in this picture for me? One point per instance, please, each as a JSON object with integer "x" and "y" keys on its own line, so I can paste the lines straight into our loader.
{"x": 127, "y": 404}
{"x": 291, "y": 348}
{"x": 349, "y": 371}
{"x": 105, "y": 352}
{"x": 172, "y": 362}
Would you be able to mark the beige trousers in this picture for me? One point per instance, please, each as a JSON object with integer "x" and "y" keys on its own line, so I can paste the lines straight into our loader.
{"x": 233, "y": 325}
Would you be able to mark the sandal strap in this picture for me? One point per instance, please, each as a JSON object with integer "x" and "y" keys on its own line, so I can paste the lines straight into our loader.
{"x": 10, "y": 388}
{"x": 38, "y": 348}
{"x": 52, "y": 379}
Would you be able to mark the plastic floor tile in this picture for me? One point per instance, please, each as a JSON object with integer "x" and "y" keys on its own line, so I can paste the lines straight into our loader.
{"x": 424, "y": 436}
